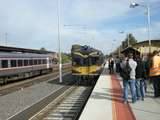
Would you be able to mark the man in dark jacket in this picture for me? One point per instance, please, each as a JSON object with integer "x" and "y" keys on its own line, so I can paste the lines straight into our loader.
{"x": 140, "y": 74}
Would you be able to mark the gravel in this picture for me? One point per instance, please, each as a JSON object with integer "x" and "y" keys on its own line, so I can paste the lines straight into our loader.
{"x": 14, "y": 102}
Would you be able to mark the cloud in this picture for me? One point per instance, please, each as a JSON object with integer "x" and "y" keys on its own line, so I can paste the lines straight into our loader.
{"x": 141, "y": 33}
{"x": 29, "y": 24}
{"x": 87, "y": 11}
{"x": 33, "y": 23}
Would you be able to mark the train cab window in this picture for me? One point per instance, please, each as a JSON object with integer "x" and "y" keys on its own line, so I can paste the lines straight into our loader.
{"x": 94, "y": 60}
{"x": 25, "y": 62}
{"x": 13, "y": 63}
{"x": 35, "y": 62}
{"x": 30, "y": 62}
{"x": 20, "y": 63}
{"x": 77, "y": 61}
{"x": 4, "y": 63}
{"x": 39, "y": 62}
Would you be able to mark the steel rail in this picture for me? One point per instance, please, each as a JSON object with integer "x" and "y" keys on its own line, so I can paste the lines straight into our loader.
{"x": 29, "y": 111}
{"x": 29, "y": 82}
{"x": 67, "y": 106}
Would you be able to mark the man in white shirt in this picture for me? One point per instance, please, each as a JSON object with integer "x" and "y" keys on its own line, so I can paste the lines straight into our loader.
{"x": 130, "y": 81}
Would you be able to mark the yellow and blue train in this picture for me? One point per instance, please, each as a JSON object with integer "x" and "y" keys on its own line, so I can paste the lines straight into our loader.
{"x": 87, "y": 62}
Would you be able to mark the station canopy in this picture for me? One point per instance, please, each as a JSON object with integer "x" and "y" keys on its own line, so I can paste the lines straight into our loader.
{"x": 129, "y": 50}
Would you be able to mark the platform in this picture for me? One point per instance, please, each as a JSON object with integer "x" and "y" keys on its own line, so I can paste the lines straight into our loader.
{"x": 106, "y": 103}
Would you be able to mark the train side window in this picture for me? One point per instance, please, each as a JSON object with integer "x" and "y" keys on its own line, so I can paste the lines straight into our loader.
{"x": 44, "y": 61}
{"x": 25, "y": 62}
{"x": 13, "y": 63}
{"x": 4, "y": 63}
{"x": 35, "y": 62}
{"x": 20, "y": 63}
{"x": 30, "y": 62}
{"x": 39, "y": 61}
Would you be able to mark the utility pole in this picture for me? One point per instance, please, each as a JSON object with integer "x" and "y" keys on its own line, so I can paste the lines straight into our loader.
{"x": 147, "y": 7}
{"x": 128, "y": 39}
{"x": 149, "y": 27}
{"x": 119, "y": 51}
{"x": 59, "y": 39}
{"x": 6, "y": 38}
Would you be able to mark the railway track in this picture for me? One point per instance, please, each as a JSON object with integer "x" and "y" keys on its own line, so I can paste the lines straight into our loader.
{"x": 20, "y": 85}
{"x": 67, "y": 106}
{"x": 55, "y": 93}
{"x": 66, "y": 102}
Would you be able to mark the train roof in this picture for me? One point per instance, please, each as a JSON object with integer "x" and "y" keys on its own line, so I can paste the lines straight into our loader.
{"x": 22, "y": 55}
{"x": 23, "y": 50}
{"x": 85, "y": 51}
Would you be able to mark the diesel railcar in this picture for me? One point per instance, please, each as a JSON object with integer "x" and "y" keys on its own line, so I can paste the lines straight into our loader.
{"x": 87, "y": 62}
{"x": 15, "y": 66}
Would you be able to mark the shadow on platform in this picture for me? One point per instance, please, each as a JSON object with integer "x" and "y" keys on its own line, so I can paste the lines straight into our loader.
{"x": 108, "y": 94}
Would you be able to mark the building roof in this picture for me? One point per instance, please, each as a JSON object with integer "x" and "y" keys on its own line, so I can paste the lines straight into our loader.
{"x": 128, "y": 50}
{"x": 155, "y": 43}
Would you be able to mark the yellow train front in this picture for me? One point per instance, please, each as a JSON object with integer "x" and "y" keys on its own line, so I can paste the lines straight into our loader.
{"x": 87, "y": 63}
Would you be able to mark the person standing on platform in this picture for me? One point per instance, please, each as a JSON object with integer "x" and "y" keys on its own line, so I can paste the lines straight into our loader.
{"x": 128, "y": 74}
{"x": 111, "y": 65}
{"x": 146, "y": 62}
{"x": 117, "y": 62}
{"x": 140, "y": 78}
{"x": 155, "y": 73}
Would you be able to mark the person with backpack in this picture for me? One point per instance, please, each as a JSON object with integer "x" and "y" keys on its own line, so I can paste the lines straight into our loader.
{"x": 128, "y": 74}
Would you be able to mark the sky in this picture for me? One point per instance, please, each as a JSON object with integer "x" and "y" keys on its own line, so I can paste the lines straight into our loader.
{"x": 34, "y": 23}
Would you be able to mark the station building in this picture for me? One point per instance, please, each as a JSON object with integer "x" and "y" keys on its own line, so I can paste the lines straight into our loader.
{"x": 143, "y": 47}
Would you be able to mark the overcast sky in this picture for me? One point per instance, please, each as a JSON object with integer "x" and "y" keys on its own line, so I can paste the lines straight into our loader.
{"x": 33, "y": 23}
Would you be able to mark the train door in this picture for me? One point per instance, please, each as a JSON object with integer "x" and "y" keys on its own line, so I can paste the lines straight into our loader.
{"x": 47, "y": 62}
{"x": 86, "y": 66}
{"x": 90, "y": 65}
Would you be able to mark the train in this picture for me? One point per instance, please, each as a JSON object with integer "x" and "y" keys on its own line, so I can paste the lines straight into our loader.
{"x": 17, "y": 65}
{"x": 87, "y": 63}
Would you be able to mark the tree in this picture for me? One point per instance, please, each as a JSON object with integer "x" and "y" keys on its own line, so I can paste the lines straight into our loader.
{"x": 43, "y": 49}
{"x": 66, "y": 57}
{"x": 132, "y": 41}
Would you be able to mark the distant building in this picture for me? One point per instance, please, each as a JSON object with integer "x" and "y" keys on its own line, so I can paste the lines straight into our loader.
{"x": 55, "y": 56}
{"x": 143, "y": 47}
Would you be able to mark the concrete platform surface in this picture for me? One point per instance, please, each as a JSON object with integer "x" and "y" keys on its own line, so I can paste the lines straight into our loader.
{"x": 106, "y": 103}
{"x": 99, "y": 105}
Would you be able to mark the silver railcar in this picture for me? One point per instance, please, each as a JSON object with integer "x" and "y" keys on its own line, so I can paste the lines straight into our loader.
{"x": 14, "y": 66}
